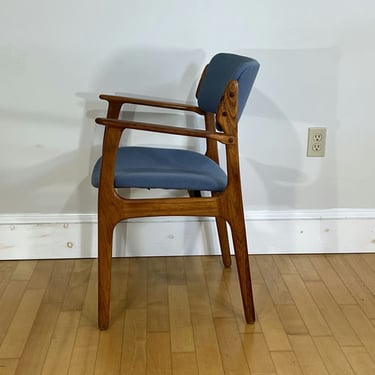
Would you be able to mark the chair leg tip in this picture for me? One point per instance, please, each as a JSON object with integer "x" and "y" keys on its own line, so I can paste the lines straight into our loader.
{"x": 250, "y": 319}
{"x": 103, "y": 325}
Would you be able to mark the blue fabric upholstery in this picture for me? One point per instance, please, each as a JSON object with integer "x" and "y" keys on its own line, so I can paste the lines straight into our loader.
{"x": 223, "y": 68}
{"x": 146, "y": 167}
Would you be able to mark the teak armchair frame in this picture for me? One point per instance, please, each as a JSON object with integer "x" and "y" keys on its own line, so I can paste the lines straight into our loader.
{"x": 225, "y": 206}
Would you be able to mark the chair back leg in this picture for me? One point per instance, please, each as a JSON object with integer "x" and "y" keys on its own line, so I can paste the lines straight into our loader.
{"x": 237, "y": 224}
{"x": 234, "y": 213}
{"x": 222, "y": 231}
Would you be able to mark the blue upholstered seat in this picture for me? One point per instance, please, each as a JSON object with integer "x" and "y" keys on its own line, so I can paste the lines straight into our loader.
{"x": 146, "y": 167}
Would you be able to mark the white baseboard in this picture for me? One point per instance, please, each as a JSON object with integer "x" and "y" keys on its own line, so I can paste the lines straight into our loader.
{"x": 74, "y": 236}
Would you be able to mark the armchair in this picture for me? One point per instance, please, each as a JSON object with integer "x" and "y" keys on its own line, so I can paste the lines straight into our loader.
{"x": 221, "y": 96}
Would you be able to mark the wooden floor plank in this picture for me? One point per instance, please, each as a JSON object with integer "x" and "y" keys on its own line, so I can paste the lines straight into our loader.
{"x": 108, "y": 360}
{"x": 269, "y": 320}
{"x": 369, "y": 258}
{"x": 256, "y": 275}
{"x": 176, "y": 271}
{"x": 61, "y": 346}
{"x": 84, "y": 351}
{"x": 8, "y": 366}
{"x": 24, "y": 270}
{"x": 275, "y": 283}
{"x": 59, "y": 281}
{"x": 360, "y": 360}
{"x": 206, "y": 345}
{"x": 7, "y": 268}
{"x": 182, "y": 339}
{"x": 184, "y": 363}
{"x": 37, "y": 345}
{"x": 157, "y": 296}
{"x": 9, "y": 302}
{"x": 136, "y": 297}
{"x": 184, "y": 316}
{"x": 286, "y": 363}
{"x": 217, "y": 289}
{"x": 305, "y": 268}
{"x": 333, "y": 314}
{"x": 307, "y": 355}
{"x": 120, "y": 272}
{"x": 205, "y": 339}
{"x": 362, "y": 326}
{"x": 291, "y": 320}
{"x": 332, "y": 280}
{"x": 89, "y": 315}
{"x": 77, "y": 286}
{"x": 309, "y": 311}
{"x": 133, "y": 357}
{"x": 158, "y": 357}
{"x": 20, "y": 327}
{"x": 284, "y": 264}
{"x": 333, "y": 357}
{"x": 350, "y": 278}
{"x": 231, "y": 347}
{"x": 363, "y": 270}
{"x": 257, "y": 353}
{"x": 196, "y": 286}
{"x": 41, "y": 276}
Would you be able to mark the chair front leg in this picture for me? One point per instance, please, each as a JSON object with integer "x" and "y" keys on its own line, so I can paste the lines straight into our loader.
{"x": 105, "y": 238}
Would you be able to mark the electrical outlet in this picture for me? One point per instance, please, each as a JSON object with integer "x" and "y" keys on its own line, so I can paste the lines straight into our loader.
{"x": 316, "y": 142}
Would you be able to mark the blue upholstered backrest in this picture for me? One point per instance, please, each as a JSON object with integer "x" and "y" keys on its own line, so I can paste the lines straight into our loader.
{"x": 223, "y": 68}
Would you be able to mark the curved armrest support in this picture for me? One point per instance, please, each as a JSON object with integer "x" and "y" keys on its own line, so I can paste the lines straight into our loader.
{"x": 151, "y": 103}
{"x": 223, "y": 138}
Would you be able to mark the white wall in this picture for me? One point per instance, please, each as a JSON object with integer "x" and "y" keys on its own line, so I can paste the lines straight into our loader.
{"x": 317, "y": 62}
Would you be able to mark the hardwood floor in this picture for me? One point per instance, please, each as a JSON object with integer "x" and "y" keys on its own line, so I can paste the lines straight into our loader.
{"x": 315, "y": 315}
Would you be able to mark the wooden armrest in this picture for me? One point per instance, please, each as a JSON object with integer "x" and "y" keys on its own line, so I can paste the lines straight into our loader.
{"x": 124, "y": 124}
{"x": 151, "y": 103}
